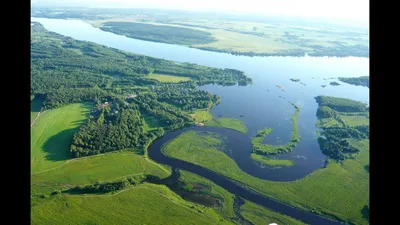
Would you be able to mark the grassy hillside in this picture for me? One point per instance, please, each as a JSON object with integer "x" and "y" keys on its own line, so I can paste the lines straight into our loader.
{"x": 98, "y": 168}
{"x": 52, "y": 134}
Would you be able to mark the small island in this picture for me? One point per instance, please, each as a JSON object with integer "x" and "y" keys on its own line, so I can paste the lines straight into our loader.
{"x": 358, "y": 81}
{"x": 334, "y": 83}
{"x": 295, "y": 79}
{"x": 323, "y": 85}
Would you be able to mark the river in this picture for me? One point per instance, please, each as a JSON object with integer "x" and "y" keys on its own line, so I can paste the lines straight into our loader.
{"x": 259, "y": 105}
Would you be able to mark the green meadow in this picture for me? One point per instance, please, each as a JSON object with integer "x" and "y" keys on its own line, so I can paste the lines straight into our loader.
{"x": 258, "y": 215}
{"x": 52, "y": 133}
{"x": 192, "y": 180}
{"x": 97, "y": 168}
{"x": 168, "y": 78}
{"x": 142, "y": 204}
{"x": 230, "y": 123}
{"x": 340, "y": 190}
{"x": 272, "y": 162}
{"x": 202, "y": 116}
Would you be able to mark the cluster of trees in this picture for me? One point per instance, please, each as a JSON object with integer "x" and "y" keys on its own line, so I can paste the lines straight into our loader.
{"x": 185, "y": 96}
{"x": 337, "y": 149}
{"x": 333, "y": 141}
{"x": 341, "y": 104}
{"x": 156, "y": 33}
{"x": 172, "y": 117}
{"x": 112, "y": 130}
{"x": 105, "y": 187}
{"x": 359, "y": 81}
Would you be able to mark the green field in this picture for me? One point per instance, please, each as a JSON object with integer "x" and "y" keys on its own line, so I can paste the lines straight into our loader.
{"x": 340, "y": 189}
{"x": 230, "y": 123}
{"x": 52, "y": 134}
{"x": 98, "y": 168}
{"x": 260, "y": 216}
{"x": 355, "y": 120}
{"x": 143, "y": 204}
{"x": 168, "y": 78}
{"x": 202, "y": 116}
{"x": 272, "y": 162}
{"x": 36, "y": 105}
{"x": 191, "y": 180}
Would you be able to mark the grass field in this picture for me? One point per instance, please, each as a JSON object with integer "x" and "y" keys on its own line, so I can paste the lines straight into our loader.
{"x": 328, "y": 122}
{"x": 202, "y": 116}
{"x": 272, "y": 162}
{"x": 168, "y": 78}
{"x": 355, "y": 120}
{"x": 52, "y": 133}
{"x": 340, "y": 189}
{"x": 36, "y": 105}
{"x": 260, "y": 216}
{"x": 143, "y": 204}
{"x": 191, "y": 179}
{"x": 98, "y": 168}
{"x": 230, "y": 123}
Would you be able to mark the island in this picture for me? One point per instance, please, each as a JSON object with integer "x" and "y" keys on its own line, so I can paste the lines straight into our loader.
{"x": 358, "y": 81}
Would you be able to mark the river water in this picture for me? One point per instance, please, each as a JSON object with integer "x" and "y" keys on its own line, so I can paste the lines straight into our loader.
{"x": 259, "y": 105}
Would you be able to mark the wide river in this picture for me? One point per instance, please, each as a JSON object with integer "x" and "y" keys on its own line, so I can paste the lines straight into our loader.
{"x": 259, "y": 105}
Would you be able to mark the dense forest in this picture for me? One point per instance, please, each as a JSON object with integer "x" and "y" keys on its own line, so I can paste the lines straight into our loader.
{"x": 359, "y": 81}
{"x": 334, "y": 140}
{"x": 66, "y": 71}
{"x": 165, "y": 34}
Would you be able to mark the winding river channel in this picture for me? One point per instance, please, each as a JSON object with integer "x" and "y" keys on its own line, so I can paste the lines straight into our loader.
{"x": 259, "y": 105}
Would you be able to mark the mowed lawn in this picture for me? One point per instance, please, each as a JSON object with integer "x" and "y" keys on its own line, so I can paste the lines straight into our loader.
{"x": 168, "y": 78}
{"x": 340, "y": 189}
{"x": 143, "y": 204}
{"x": 52, "y": 133}
{"x": 97, "y": 168}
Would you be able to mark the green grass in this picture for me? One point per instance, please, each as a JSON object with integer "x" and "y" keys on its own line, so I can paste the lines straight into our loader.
{"x": 168, "y": 78}
{"x": 260, "y": 148}
{"x": 143, "y": 204}
{"x": 328, "y": 122}
{"x": 230, "y": 123}
{"x": 152, "y": 122}
{"x": 272, "y": 162}
{"x": 215, "y": 191}
{"x": 36, "y": 105}
{"x": 202, "y": 116}
{"x": 98, "y": 168}
{"x": 260, "y": 216}
{"x": 355, "y": 120}
{"x": 340, "y": 189}
{"x": 52, "y": 133}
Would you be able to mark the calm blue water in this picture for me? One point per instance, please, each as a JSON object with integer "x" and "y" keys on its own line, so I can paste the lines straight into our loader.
{"x": 261, "y": 104}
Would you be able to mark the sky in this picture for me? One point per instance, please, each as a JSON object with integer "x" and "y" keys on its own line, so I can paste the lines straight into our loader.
{"x": 355, "y": 10}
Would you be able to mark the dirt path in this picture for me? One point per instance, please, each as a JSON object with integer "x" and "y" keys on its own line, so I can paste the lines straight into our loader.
{"x": 36, "y": 117}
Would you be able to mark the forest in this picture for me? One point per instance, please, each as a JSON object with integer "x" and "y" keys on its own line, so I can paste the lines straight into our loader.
{"x": 358, "y": 81}
{"x": 66, "y": 71}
